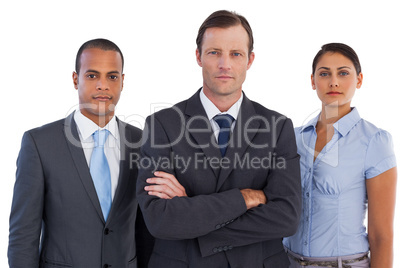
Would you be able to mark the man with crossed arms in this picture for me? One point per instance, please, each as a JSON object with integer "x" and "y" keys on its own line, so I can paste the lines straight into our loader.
{"x": 224, "y": 208}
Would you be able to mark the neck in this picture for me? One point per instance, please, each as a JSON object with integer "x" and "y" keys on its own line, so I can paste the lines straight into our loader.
{"x": 331, "y": 114}
{"x": 221, "y": 101}
{"x": 100, "y": 120}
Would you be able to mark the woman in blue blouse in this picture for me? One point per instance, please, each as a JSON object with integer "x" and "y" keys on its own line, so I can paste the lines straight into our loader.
{"x": 347, "y": 165}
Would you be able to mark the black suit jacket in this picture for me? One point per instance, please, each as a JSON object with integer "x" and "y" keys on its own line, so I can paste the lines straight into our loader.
{"x": 212, "y": 226}
{"x": 56, "y": 219}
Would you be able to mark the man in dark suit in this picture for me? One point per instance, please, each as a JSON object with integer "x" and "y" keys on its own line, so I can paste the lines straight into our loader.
{"x": 74, "y": 201}
{"x": 215, "y": 201}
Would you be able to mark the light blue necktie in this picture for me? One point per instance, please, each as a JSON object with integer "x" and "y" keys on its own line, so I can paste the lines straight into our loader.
{"x": 100, "y": 171}
{"x": 225, "y": 122}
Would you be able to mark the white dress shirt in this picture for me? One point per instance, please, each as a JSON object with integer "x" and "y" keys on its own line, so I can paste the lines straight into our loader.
{"x": 212, "y": 111}
{"x": 86, "y": 128}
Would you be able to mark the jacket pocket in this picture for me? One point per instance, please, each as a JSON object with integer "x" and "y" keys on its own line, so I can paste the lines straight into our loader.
{"x": 46, "y": 263}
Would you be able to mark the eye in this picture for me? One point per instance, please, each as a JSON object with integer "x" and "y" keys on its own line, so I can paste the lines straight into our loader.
{"x": 344, "y": 73}
{"x": 236, "y": 54}
{"x": 213, "y": 52}
{"x": 91, "y": 76}
{"x": 324, "y": 74}
{"x": 114, "y": 77}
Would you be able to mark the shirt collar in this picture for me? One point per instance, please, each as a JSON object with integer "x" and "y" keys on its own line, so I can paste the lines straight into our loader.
{"x": 311, "y": 124}
{"x": 346, "y": 123}
{"x": 343, "y": 125}
{"x": 87, "y": 127}
{"x": 212, "y": 110}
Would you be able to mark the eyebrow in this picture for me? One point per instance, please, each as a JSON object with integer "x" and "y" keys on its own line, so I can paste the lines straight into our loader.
{"x": 213, "y": 49}
{"x": 97, "y": 72}
{"x": 91, "y": 71}
{"x": 339, "y": 68}
{"x": 219, "y": 49}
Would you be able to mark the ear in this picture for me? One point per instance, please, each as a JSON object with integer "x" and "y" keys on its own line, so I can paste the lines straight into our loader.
{"x": 198, "y": 56}
{"x": 313, "y": 82}
{"x": 75, "y": 80}
{"x": 359, "y": 80}
{"x": 250, "y": 60}
{"x": 122, "y": 81}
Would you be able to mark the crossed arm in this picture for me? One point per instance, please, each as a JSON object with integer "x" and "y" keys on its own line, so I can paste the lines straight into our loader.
{"x": 166, "y": 186}
{"x": 235, "y": 217}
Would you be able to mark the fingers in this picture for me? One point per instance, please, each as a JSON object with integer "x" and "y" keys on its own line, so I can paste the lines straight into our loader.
{"x": 161, "y": 191}
{"x": 160, "y": 195}
{"x": 253, "y": 198}
{"x": 169, "y": 177}
{"x": 165, "y": 186}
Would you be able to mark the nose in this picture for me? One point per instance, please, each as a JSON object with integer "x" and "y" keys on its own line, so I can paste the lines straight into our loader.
{"x": 102, "y": 84}
{"x": 334, "y": 82}
{"x": 224, "y": 62}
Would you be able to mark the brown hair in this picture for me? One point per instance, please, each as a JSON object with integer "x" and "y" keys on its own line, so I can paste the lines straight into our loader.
{"x": 225, "y": 19}
{"x": 343, "y": 49}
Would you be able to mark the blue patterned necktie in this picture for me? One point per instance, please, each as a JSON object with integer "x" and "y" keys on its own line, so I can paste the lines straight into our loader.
{"x": 100, "y": 171}
{"x": 225, "y": 122}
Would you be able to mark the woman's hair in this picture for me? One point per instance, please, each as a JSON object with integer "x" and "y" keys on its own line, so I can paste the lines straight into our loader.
{"x": 343, "y": 49}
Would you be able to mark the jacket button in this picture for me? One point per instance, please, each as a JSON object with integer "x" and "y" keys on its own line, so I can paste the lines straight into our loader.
{"x": 106, "y": 232}
{"x": 106, "y": 266}
{"x": 215, "y": 250}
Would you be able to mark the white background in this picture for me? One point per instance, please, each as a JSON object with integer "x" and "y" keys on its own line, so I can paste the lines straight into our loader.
{"x": 39, "y": 41}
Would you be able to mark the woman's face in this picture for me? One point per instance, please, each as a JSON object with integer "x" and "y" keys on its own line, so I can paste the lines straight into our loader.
{"x": 335, "y": 80}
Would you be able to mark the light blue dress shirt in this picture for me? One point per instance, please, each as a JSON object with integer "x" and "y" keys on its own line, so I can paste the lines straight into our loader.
{"x": 334, "y": 186}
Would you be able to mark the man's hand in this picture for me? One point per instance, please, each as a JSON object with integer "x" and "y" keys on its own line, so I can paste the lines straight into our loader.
{"x": 165, "y": 186}
{"x": 253, "y": 198}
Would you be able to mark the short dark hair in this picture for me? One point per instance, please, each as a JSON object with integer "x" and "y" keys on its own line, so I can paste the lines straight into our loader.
{"x": 343, "y": 49}
{"x": 100, "y": 43}
{"x": 225, "y": 19}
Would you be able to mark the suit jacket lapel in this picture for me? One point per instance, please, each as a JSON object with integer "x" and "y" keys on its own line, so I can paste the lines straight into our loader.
{"x": 74, "y": 144}
{"x": 240, "y": 138}
{"x": 200, "y": 129}
{"x": 124, "y": 172}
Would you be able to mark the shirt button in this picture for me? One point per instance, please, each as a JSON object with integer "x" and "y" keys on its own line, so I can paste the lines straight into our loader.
{"x": 307, "y": 194}
{"x": 305, "y": 243}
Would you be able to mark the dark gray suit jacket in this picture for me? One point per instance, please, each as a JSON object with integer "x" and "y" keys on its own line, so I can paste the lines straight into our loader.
{"x": 56, "y": 219}
{"x": 212, "y": 227}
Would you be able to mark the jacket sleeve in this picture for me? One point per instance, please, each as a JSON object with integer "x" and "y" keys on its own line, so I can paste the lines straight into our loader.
{"x": 27, "y": 207}
{"x": 276, "y": 219}
{"x": 180, "y": 217}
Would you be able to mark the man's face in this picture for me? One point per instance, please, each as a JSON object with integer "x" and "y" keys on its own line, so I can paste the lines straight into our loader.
{"x": 99, "y": 83}
{"x": 224, "y": 60}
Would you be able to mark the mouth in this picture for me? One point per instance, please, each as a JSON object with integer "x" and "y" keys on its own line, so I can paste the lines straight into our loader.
{"x": 224, "y": 77}
{"x": 102, "y": 98}
{"x": 334, "y": 93}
